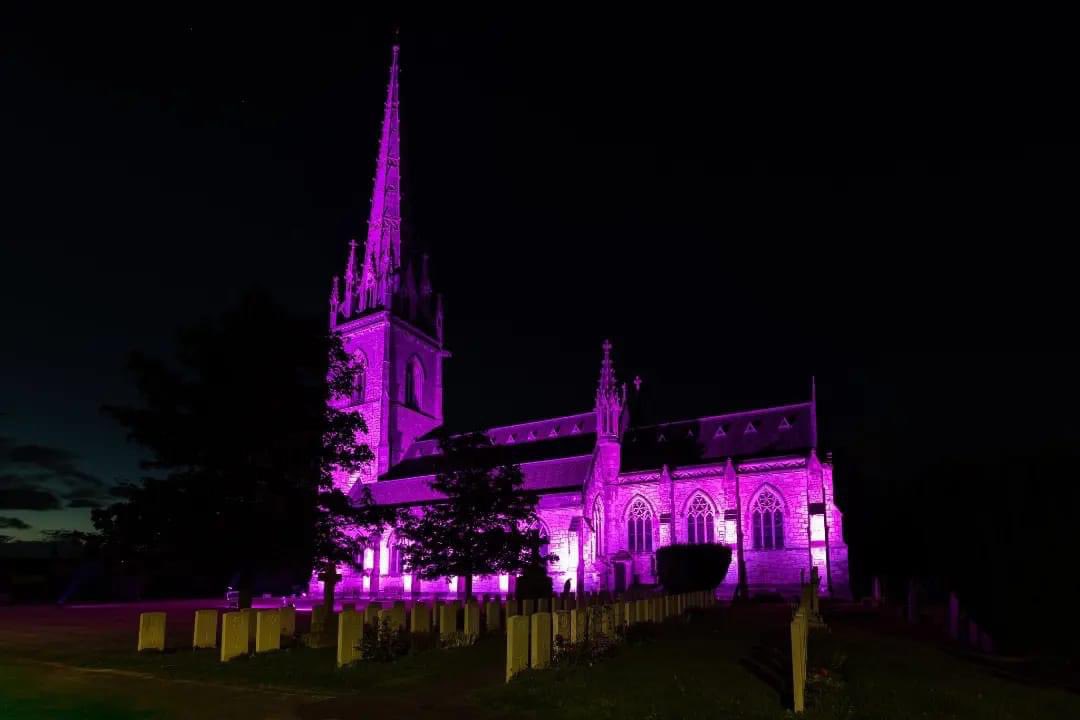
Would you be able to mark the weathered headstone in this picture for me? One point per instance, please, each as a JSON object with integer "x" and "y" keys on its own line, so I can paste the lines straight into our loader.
{"x": 641, "y": 610}
{"x": 350, "y": 628}
{"x": 542, "y": 605}
{"x": 528, "y": 606}
{"x": 447, "y": 620}
{"x": 608, "y": 621}
{"x": 511, "y": 606}
{"x": 205, "y": 629}
{"x": 799, "y": 630}
{"x": 267, "y": 631}
{"x": 579, "y": 625}
{"x": 517, "y": 645}
{"x": 151, "y": 631}
{"x": 318, "y": 619}
{"x": 420, "y": 622}
{"x": 493, "y": 616}
{"x": 234, "y": 636}
{"x": 875, "y": 590}
{"x": 540, "y": 640}
{"x": 288, "y": 621}
{"x": 472, "y": 620}
{"x": 560, "y": 625}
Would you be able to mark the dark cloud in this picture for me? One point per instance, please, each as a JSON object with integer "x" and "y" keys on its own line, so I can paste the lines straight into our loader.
{"x": 56, "y": 460}
{"x": 25, "y": 497}
{"x": 37, "y": 477}
{"x": 10, "y": 523}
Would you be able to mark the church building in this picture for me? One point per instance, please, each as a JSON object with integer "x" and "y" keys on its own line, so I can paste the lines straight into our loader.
{"x": 611, "y": 492}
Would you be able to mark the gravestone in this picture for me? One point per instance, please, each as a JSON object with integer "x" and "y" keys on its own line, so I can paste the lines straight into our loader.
{"x": 350, "y": 633}
{"x": 318, "y": 619}
{"x": 472, "y": 620}
{"x": 528, "y": 607}
{"x": 560, "y": 625}
{"x": 540, "y": 640}
{"x": 267, "y": 631}
{"x": 151, "y": 631}
{"x": 288, "y": 621}
{"x": 492, "y": 614}
{"x": 447, "y": 620}
{"x": 205, "y": 629}
{"x": 579, "y": 625}
{"x": 517, "y": 645}
{"x": 421, "y": 618}
{"x": 234, "y": 636}
{"x": 799, "y": 632}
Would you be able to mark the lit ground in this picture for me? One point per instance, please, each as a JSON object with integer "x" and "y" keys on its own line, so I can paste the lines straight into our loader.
{"x": 80, "y": 663}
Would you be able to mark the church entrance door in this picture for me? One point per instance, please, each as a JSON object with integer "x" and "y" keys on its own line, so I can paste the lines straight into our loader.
{"x": 620, "y": 577}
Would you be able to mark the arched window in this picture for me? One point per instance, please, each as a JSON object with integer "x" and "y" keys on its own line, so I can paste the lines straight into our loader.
{"x": 639, "y": 527}
{"x": 397, "y": 557}
{"x": 598, "y": 527}
{"x": 414, "y": 384}
{"x": 700, "y": 523}
{"x": 767, "y": 521}
{"x": 359, "y": 379}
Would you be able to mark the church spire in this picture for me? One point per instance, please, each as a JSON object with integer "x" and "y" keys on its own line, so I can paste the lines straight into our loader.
{"x": 610, "y": 399}
{"x": 383, "y": 245}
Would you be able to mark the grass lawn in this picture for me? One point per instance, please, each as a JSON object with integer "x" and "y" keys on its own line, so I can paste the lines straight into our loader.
{"x": 80, "y": 663}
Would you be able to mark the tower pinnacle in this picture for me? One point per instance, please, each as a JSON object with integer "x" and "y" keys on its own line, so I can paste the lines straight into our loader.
{"x": 610, "y": 399}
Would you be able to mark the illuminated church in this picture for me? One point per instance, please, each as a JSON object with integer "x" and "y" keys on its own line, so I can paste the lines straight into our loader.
{"x": 611, "y": 492}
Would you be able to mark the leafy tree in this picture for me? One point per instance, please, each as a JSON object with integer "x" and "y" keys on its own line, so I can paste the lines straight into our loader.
{"x": 484, "y": 524}
{"x": 243, "y": 448}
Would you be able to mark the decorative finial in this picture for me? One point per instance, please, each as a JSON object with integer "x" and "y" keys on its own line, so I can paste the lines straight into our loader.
{"x": 637, "y": 383}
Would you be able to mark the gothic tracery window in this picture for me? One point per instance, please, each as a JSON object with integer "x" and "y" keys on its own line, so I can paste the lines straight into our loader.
{"x": 767, "y": 521}
{"x": 598, "y": 528}
{"x": 639, "y": 527}
{"x": 700, "y": 521}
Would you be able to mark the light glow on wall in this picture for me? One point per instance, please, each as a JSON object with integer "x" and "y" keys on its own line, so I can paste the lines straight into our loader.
{"x": 369, "y": 558}
{"x": 504, "y": 583}
{"x": 453, "y": 583}
{"x": 817, "y": 528}
{"x": 729, "y": 531}
{"x": 366, "y": 583}
{"x": 406, "y": 581}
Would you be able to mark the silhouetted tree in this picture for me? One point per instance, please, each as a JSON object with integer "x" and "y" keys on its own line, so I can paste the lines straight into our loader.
{"x": 484, "y": 525}
{"x": 243, "y": 446}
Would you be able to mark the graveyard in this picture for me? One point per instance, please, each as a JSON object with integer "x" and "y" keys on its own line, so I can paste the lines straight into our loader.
{"x": 713, "y": 661}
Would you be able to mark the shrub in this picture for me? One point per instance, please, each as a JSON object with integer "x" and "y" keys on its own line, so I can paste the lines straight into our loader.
{"x": 594, "y": 649}
{"x": 533, "y": 584}
{"x": 686, "y": 568}
{"x": 384, "y": 643}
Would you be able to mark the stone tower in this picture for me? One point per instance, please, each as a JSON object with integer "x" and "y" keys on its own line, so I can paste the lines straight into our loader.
{"x": 389, "y": 319}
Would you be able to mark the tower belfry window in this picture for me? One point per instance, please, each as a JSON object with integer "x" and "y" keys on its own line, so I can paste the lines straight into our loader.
{"x": 414, "y": 384}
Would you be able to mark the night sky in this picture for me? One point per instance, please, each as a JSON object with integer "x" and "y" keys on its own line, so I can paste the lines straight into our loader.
{"x": 736, "y": 211}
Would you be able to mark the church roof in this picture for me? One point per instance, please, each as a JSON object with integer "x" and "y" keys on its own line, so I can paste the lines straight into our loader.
{"x": 552, "y": 451}
{"x": 783, "y": 430}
